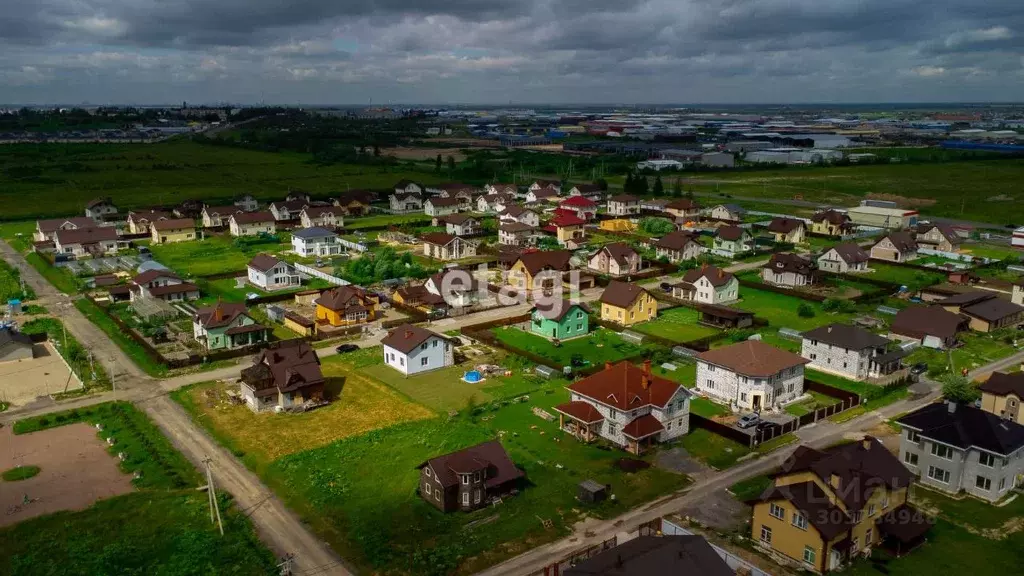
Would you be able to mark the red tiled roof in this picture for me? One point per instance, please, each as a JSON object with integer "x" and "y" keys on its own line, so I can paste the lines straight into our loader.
{"x": 582, "y": 411}
{"x": 621, "y": 386}
{"x": 578, "y": 202}
{"x": 565, "y": 220}
{"x": 642, "y": 427}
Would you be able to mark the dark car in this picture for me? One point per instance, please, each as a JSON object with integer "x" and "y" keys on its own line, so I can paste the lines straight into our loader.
{"x": 919, "y": 368}
{"x": 666, "y": 287}
{"x": 346, "y": 348}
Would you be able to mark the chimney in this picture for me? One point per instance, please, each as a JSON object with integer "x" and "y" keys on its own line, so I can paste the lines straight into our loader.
{"x": 834, "y": 481}
{"x": 408, "y": 334}
{"x": 951, "y": 406}
{"x": 645, "y": 378}
{"x": 866, "y": 443}
{"x": 218, "y": 312}
{"x": 607, "y": 364}
{"x": 721, "y": 273}
{"x": 830, "y": 329}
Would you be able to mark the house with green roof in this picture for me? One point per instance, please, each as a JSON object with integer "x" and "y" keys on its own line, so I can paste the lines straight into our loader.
{"x": 561, "y": 320}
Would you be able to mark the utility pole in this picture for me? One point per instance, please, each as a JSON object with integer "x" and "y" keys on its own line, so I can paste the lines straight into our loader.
{"x": 211, "y": 492}
{"x": 285, "y": 567}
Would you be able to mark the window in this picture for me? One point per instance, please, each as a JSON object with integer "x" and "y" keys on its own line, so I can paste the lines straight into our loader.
{"x": 435, "y": 343}
{"x": 799, "y": 521}
{"x": 579, "y": 314}
{"x": 465, "y": 478}
{"x": 428, "y": 488}
{"x": 711, "y": 368}
{"x": 424, "y": 346}
{"x": 776, "y": 511}
{"x": 1002, "y": 484}
{"x": 938, "y": 474}
{"x": 944, "y": 452}
{"x": 856, "y": 543}
{"x": 913, "y": 436}
{"x": 711, "y": 384}
{"x": 437, "y": 495}
{"x": 986, "y": 459}
{"x": 401, "y": 360}
{"x": 809, "y": 555}
{"x": 476, "y": 477}
{"x": 766, "y": 535}
{"x": 476, "y": 496}
{"x": 869, "y": 536}
{"x": 743, "y": 396}
{"x": 871, "y": 511}
{"x": 983, "y": 483}
{"x": 612, "y": 428}
{"x": 790, "y": 388}
{"x": 579, "y": 327}
{"x": 426, "y": 472}
{"x": 669, "y": 427}
{"x": 814, "y": 356}
{"x": 885, "y": 501}
{"x": 465, "y": 498}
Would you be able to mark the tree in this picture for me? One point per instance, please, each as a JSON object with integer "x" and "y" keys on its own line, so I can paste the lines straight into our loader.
{"x": 437, "y": 164}
{"x": 627, "y": 187}
{"x": 657, "y": 226}
{"x": 376, "y": 151}
{"x": 451, "y": 163}
{"x": 804, "y": 310}
{"x": 659, "y": 187}
{"x": 956, "y": 388}
{"x": 677, "y": 188}
{"x": 641, "y": 186}
{"x": 602, "y": 184}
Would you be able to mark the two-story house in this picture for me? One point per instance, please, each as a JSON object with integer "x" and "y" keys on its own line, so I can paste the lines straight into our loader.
{"x": 615, "y": 259}
{"x": 316, "y": 241}
{"x": 627, "y": 304}
{"x": 469, "y": 478}
{"x": 355, "y": 202}
{"x": 322, "y": 217}
{"x": 788, "y": 270}
{"x": 100, "y": 209}
{"x": 514, "y": 213}
{"x": 247, "y": 202}
{"x": 458, "y": 288}
{"x": 161, "y": 285}
{"x": 406, "y": 202}
{"x": 283, "y": 376}
{"x": 539, "y": 270}
{"x": 217, "y": 216}
{"x": 346, "y": 306}
{"x": 445, "y": 246}
{"x": 569, "y": 229}
{"x": 494, "y": 202}
{"x": 678, "y": 246}
{"x": 938, "y": 237}
{"x": 1002, "y": 395}
{"x": 174, "y": 230}
{"x": 831, "y": 223}
{"x": 414, "y": 350}
{"x": 98, "y": 241}
{"x": 895, "y": 247}
{"x": 516, "y": 234}
{"x": 549, "y": 185}
{"x": 791, "y": 230}
{"x": 47, "y": 229}
{"x": 728, "y": 212}
{"x": 707, "y": 285}
{"x": 685, "y": 208}
{"x": 751, "y": 375}
{"x": 542, "y": 195}
{"x": 844, "y": 258}
{"x": 626, "y": 405}
{"x": 623, "y": 205}
{"x": 582, "y": 207}
{"x": 732, "y": 241}
{"x": 462, "y": 225}
{"x": 252, "y": 223}
{"x": 850, "y": 352}
{"x": 270, "y": 273}
{"x": 288, "y": 210}
{"x": 588, "y": 191}
{"x": 499, "y": 188}
{"x": 226, "y": 326}
{"x": 826, "y": 507}
{"x": 953, "y": 447}
{"x": 408, "y": 187}
{"x": 437, "y": 206}
{"x": 139, "y": 221}
{"x": 560, "y": 319}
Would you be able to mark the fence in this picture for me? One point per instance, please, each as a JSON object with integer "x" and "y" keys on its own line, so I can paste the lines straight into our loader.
{"x": 723, "y": 430}
{"x": 352, "y": 245}
{"x": 739, "y": 565}
{"x": 321, "y": 275}
{"x": 224, "y": 275}
{"x": 781, "y": 290}
{"x": 915, "y": 266}
{"x": 846, "y": 399}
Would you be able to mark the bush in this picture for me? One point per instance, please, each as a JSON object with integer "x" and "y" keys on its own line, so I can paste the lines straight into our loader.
{"x": 657, "y": 226}
{"x": 804, "y": 310}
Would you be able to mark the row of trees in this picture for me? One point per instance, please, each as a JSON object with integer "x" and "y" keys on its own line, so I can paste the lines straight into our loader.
{"x": 640, "y": 185}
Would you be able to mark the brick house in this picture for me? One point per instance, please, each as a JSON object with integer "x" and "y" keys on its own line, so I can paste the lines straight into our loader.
{"x": 616, "y": 259}
{"x": 751, "y": 375}
{"x": 850, "y": 352}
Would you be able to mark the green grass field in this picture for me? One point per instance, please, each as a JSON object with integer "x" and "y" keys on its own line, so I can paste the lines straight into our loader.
{"x": 716, "y": 451}
{"x": 750, "y": 488}
{"x": 130, "y": 347}
{"x": 978, "y": 349}
{"x": 59, "y": 179}
{"x": 780, "y": 310}
{"x": 909, "y": 277}
{"x": 677, "y": 324}
{"x": 815, "y": 402}
{"x": 214, "y": 255}
{"x": 10, "y": 284}
{"x": 600, "y": 343}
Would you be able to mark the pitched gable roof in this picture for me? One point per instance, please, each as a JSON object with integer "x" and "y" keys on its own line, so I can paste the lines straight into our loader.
{"x": 490, "y": 456}
{"x": 535, "y": 262}
{"x": 652, "y": 555}
{"x": 732, "y": 233}
{"x": 1002, "y": 383}
{"x": 621, "y": 294}
{"x": 252, "y": 217}
{"x": 264, "y": 262}
{"x": 578, "y": 202}
{"x": 902, "y": 240}
{"x": 558, "y": 309}
{"x": 618, "y": 251}
{"x": 626, "y": 387}
{"x": 966, "y": 426}
{"x": 717, "y": 276}
{"x": 220, "y": 314}
{"x": 286, "y": 368}
{"x": 86, "y": 235}
{"x": 624, "y": 198}
{"x": 438, "y": 238}
{"x": 851, "y": 253}
{"x": 175, "y": 224}
{"x": 682, "y": 204}
{"x": 921, "y": 321}
{"x": 676, "y": 240}
{"x": 846, "y": 336}
{"x": 753, "y": 358}
{"x": 831, "y": 216}
{"x": 782, "y": 262}
{"x": 407, "y": 337}
{"x": 784, "y": 225}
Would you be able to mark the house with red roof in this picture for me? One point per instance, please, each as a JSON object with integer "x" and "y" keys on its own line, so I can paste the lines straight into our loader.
{"x": 582, "y": 206}
{"x": 627, "y": 405}
{"x": 569, "y": 229}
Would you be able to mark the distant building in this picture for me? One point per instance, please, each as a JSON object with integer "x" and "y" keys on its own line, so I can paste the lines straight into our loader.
{"x": 844, "y": 258}
{"x": 98, "y": 241}
{"x": 831, "y": 223}
{"x": 790, "y": 230}
{"x": 252, "y": 223}
{"x": 931, "y": 326}
{"x": 216, "y": 216}
{"x": 316, "y": 241}
{"x": 678, "y": 246}
{"x": 161, "y": 285}
{"x": 895, "y": 247}
{"x": 322, "y": 217}
{"x": 731, "y": 212}
{"x": 100, "y": 209}
{"x": 616, "y": 259}
{"x": 140, "y": 221}
{"x": 892, "y": 218}
{"x": 226, "y": 326}
{"x": 986, "y": 310}
{"x": 623, "y": 205}
{"x": 14, "y": 346}
{"x": 707, "y": 285}
{"x": 438, "y": 206}
{"x": 561, "y": 320}
{"x": 346, "y": 306}
{"x": 732, "y": 241}
{"x": 47, "y": 229}
{"x": 938, "y": 237}
{"x": 448, "y": 247}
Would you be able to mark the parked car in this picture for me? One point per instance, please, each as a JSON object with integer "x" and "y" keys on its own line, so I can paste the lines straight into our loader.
{"x": 346, "y": 348}
{"x": 919, "y": 368}
{"x": 748, "y": 420}
{"x": 666, "y": 287}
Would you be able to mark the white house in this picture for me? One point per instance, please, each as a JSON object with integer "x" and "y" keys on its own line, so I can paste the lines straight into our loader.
{"x": 461, "y": 225}
{"x": 402, "y": 202}
{"x": 438, "y": 206}
{"x": 458, "y": 288}
{"x": 895, "y": 247}
{"x": 626, "y": 405}
{"x": 707, "y": 285}
{"x": 844, "y": 258}
{"x": 408, "y": 187}
{"x": 542, "y": 195}
{"x": 100, "y": 209}
{"x": 322, "y": 216}
{"x": 412, "y": 350}
{"x": 247, "y": 202}
{"x": 849, "y": 351}
{"x": 516, "y": 234}
{"x": 252, "y": 224}
{"x": 270, "y": 273}
{"x": 287, "y": 210}
{"x": 448, "y": 247}
{"x": 678, "y": 246}
{"x": 616, "y": 259}
{"x": 493, "y": 202}
{"x": 589, "y": 191}
{"x": 788, "y": 270}
{"x": 513, "y": 213}
{"x": 624, "y": 205}
{"x": 97, "y": 241}
{"x": 731, "y": 212}
{"x": 316, "y": 241}
{"x": 161, "y": 285}
{"x": 553, "y": 185}
{"x": 215, "y": 216}
{"x": 498, "y": 188}
{"x": 751, "y": 375}
{"x": 732, "y": 241}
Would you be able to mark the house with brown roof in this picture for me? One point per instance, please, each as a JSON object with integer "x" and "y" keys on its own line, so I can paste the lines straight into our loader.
{"x": 649, "y": 555}
{"x": 931, "y": 326}
{"x": 788, "y": 270}
{"x": 844, "y": 258}
{"x": 499, "y": 188}
{"x": 938, "y": 237}
{"x": 1002, "y": 394}
{"x": 728, "y": 212}
{"x": 850, "y": 351}
{"x": 420, "y": 298}
{"x": 790, "y": 230}
{"x": 831, "y": 223}
{"x": 226, "y": 326}
{"x": 494, "y": 202}
{"x": 707, "y": 285}
{"x": 469, "y": 478}
{"x": 252, "y": 223}
{"x": 986, "y": 310}
{"x": 411, "y": 350}
{"x": 47, "y": 229}
{"x": 161, "y": 285}
{"x": 173, "y": 230}
{"x": 458, "y": 288}
{"x": 438, "y": 206}
{"x": 751, "y": 375}
{"x": 678, "y": 246}
{"x": 448, "y": 247}
{"x": 560, "y": 319}
{"x": 246, "y": 202}
{"x": 139, "y": 221}
{"x": 461, "y": 224}
{"x": 100, "y": 209}
{"x": 97, "y": 241}
{"x": 732, "y": 241}
{"x": 626, "y": 405}
{"x": 683, "y": 208}
{"x": 623, "y": 205}
{"x": 289, "y": 209}
{"x": 827, "y": 507}
{"x": 627, "y": 304}
{"x": 895, "y": 247}
{"x": 322, "y": 217}
{"x": 616, "y": 259}
{"x": 355, "y": 202}
{"x": 271, "y": 273}
{"x": 546, "y": 186}
{"x": 285, "y": 376}
{"x": 408, "y": 187}
{"x": 516, "y": 234}
{"x": 402, "y": 202}
{"x": 589, "y": 191}
{"x": 514, "y": 213}
{"x": 543, "y": 195}
{"x": 540, "y": 269}
{"x": 346, "y": 306}
{"x": 217, "y": 216}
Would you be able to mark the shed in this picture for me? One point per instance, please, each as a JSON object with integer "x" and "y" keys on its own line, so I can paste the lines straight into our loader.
{"x": 592, "y": 492}
{"x": 276, "y": 313}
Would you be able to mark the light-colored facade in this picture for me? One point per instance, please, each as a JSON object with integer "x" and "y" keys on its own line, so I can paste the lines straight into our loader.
{"x": 624, "y": 205}
{"x": 834, "y": 261}
{"x": 726, "y": 212}
{"x": 281, "y": 276}
{"x": 749, "y": 391}
{"x": 886, "y": 249}
{"x": 316, "y": 241}
{"x": 171, "y": 231}
{"x": 892, "y": 218}
{"x": 240, "y": 226}
{"x": 465, "y": 227}
{"x": 432, "y": 354}
{"x": 732, "y": 247}
{"x": 450, "y": 249}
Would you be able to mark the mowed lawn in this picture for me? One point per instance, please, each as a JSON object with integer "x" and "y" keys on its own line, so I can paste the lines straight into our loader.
{"x": 912, "y": 278}
{"x": 781, "y": 311}
{"x": 600, "y": 345}
{"x": 676, "y": 324}
{"x": 213, "y": 255}
{"x": 363, "y": 405}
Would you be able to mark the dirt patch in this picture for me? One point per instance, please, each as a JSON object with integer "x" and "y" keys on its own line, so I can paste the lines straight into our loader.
{"x": 22, "y": 381}
{"x": 719, "y": 511}
{"x": 903, "y": 201}
{"x": 75, "y": 471}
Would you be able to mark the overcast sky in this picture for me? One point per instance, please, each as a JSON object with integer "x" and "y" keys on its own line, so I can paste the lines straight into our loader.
{"x": 519, "y": 51}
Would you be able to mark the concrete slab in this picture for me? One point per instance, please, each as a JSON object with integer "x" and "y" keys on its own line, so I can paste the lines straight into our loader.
{"x": 22, "y": 381}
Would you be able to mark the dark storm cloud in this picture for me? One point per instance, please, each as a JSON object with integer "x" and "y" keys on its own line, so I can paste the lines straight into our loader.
{"x": 474, "y": 50}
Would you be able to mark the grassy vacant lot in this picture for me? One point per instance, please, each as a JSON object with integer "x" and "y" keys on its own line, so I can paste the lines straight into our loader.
{"x": 10, "y": 284}
{"x": 164, "y": 528}
{"x": 686, "y": 374}
{"x": 53, "y": 180}
{"x": 780, "y": 310}
{"x": 912, "y": 278}
{"x": 996, "y": 251}
{"x": 813, "y": 403}
{"x": 978, "y": 349}
{"x": 213, "y": 255}
{"x": 716, "y": 451}
{"x": 225, "y": 289}
{"x": 363, "y": 405}
{"x": 750, "y": 488}
{"x": 386, "y": 220}
{"x": 600, "y": 343}
{"x": 678, "y": 324}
